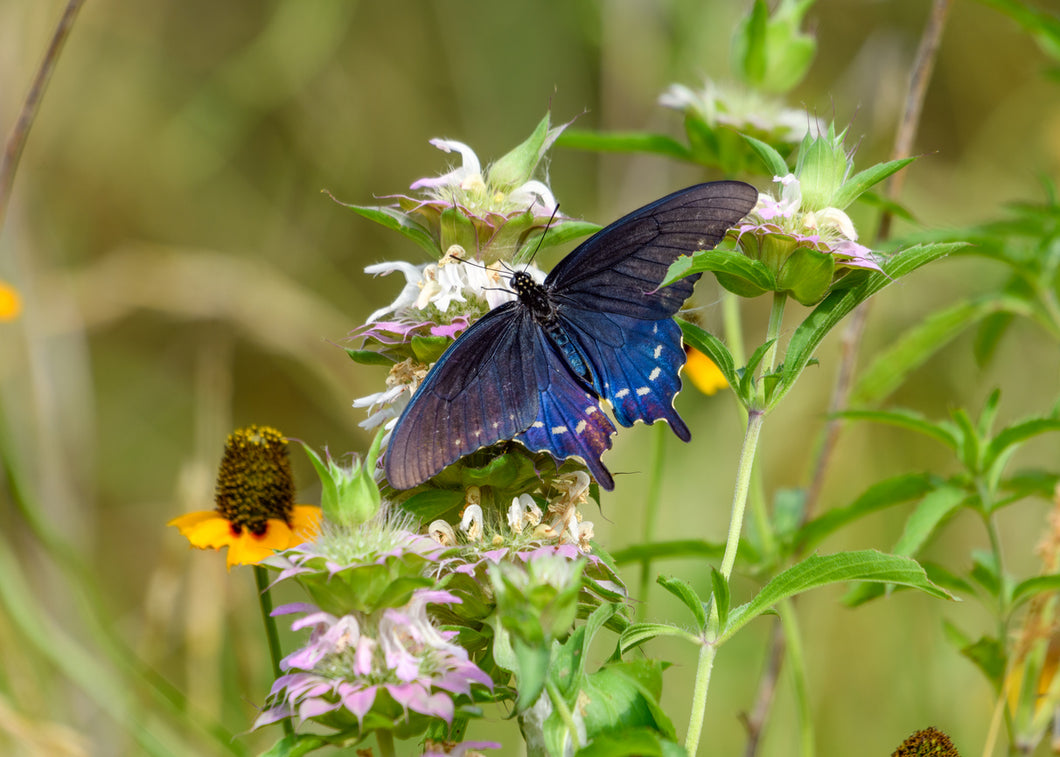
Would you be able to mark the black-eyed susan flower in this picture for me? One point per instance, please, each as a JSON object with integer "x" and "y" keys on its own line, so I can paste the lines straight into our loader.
{"x": 930, "y": 742}
{"x": 255, "y": 514}
{"x": 10, "y": 302}
{"x": 703, "y": 372}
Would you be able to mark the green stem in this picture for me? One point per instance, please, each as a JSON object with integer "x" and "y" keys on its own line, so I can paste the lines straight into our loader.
{"x": 384, "y": 739}
{"x": 651, "y": 510}
{"x": 776, "y": 319}
{"x": 560, "y": 705}
{"x": 261, "y": 577}
{"x": 709, "y": 649}
{"x": 797, "y": 665}
{"x": 730, "y": 310}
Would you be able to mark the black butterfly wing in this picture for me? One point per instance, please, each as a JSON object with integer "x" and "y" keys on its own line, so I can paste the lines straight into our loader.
{"x": 619, "y": 269}
{"x": 483, "y": 389}
{"x": 570, "y": 422}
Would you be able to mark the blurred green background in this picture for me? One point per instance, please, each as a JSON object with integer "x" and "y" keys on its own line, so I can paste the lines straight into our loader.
{"x": 183, "y": 275}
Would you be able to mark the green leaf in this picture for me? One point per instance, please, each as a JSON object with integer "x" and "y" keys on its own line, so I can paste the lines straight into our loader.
{"x": 775, "y": 163}
{"x": 988, "y": 337}
{"x": 632, "y": 743}
{"x": 428, "y": 349}
{"x": 641, "y": 633}
{"x": 989, "y": 656}
{"x": 684, "y": 591}
{"x": 746, "y": 386}
{"x": 531, "y": 669}
{"x": 720, "y": 595}
{"x": 542, "y": 239}
{"x": 822, "y": 570}
{"x": 948, "y": 580}
{"x": 712, "y": 347}
{"x": 1027, "y": 589}
{"x": 861, "y": 181}
{"x": 622, "y": 696}
{"x": 742, "y": 272}
{"x": 397, "y": 220}
{"x": 943, "y": 432}
{"x": 989, "y": 414}
{"x": 628, "y": 142}
{"x": 969, "y": 445}
{"x": 295, "y": 745}
{"x": 936, "y": 507}
{"x": 833, "y": 308}
{"x": 369, "y": 357}
{"x": 893, "y": 491}
{"x": 892, "y": 366}
{"x": 985, "y": 572}
{"x": 807, "y": 275}
{"x": 431, "y": 504}
{"x": 670, "y": 550}
{"x": 1015, "y": 435}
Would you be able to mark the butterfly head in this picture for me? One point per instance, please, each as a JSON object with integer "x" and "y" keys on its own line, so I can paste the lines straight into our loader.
{"x": 533, "y": 295}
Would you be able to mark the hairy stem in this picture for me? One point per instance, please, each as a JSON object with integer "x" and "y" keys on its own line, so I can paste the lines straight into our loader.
{"x": 651, "y": 509}
{"x": 709, "y": 649}
{"x": 261, "y": 578}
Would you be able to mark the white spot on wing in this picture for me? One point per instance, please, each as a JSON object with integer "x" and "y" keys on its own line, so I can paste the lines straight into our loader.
{"x": 559, "y": 429}
{"x": 537, "y": 424}
{"x": 642, "y": 391}
{"x": 621, "y": 393}
{"x": 591, "y": 409}
{"x": 654, "y": 373}
{"x": 658, "y": 351}
{"x": 580, "y": 427}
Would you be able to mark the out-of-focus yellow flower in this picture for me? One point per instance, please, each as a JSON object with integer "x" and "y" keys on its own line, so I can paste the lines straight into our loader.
{"x": 10, "y": 302}
{"x": 255, "y": 514}
{"x": 704, "y": 374}
{"x": 1031, "y": 686}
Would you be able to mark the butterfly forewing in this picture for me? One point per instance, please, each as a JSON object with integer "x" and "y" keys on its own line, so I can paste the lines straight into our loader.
{"x": 614, "y": 269}
{"x": 482, "y": 390}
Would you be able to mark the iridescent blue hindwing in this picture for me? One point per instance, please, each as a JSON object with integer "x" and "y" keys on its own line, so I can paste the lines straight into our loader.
{"x": 637, "y": 364}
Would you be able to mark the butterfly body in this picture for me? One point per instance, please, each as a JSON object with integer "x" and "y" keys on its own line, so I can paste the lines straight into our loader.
{"x": 536, "y": 369}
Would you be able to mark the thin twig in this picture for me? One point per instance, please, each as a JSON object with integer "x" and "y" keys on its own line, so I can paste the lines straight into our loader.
{"x": 16, "y": 140}
{"x": 767, "y": 688}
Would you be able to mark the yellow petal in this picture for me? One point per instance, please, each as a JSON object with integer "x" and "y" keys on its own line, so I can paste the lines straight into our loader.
{"x": 10, "y": 302}
{"x": 705, "y": 375}
{"x": 305, "y": 524}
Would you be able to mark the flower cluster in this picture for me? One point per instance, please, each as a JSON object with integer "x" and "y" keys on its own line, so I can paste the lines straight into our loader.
{"x": 802, "y": 235}
{"x": 476, "y": 222}
{"x": 395, "y": 664}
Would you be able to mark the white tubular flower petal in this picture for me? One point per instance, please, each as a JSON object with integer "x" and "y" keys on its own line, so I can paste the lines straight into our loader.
{"x": 413, "y": 277}
{"x": 469, "y": 172}
{"x": 442, "y": 533}
{"x": 536, "y": 196}
{"x": 836, "y": 219}
{"x": 471, "y": 523}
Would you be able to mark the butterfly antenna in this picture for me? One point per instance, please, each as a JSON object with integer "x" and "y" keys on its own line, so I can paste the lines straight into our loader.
{"x": 541, "y": 239}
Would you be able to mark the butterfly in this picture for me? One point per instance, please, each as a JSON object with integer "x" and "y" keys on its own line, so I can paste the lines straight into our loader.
{"x": 535, "y": 370}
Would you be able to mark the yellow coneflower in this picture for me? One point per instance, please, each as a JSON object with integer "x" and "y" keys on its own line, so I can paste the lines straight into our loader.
{"x": 255, "y": 514}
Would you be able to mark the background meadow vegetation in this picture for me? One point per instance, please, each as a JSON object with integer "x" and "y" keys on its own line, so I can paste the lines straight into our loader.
{"x": 182, "y": 275}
